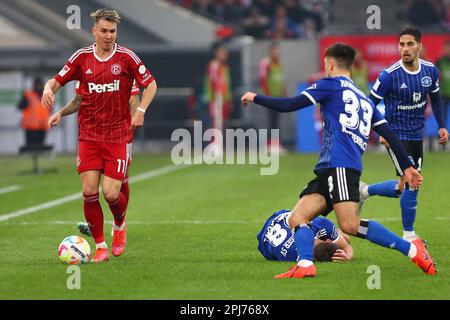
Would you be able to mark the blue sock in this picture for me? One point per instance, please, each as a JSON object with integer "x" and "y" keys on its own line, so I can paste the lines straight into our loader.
{"x": 384, "y": 189}
{"x": 378, "y": 234}
{"x": 304, "y": 241}
{"x": 408, "y": 203}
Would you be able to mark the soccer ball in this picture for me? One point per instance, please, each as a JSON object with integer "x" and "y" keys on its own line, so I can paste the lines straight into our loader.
{"x": 74, "y": 250}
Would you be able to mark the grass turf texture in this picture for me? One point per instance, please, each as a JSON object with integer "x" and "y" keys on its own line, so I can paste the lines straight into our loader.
{"x": 192, "y": 235}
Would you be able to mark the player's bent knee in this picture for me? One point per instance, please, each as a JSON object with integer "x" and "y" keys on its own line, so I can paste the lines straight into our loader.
{"x": 350, "y": 228}
{"x": 111, "y": 195}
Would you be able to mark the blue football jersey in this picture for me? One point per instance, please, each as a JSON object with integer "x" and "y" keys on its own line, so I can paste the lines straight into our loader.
{"x": 348, "y": 116}
{"x": 405, "y": 97}
{"x": 276, "y": 240}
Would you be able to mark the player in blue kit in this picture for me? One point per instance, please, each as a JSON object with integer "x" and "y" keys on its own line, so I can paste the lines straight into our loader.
{"x": 404, "y": 87}
{"x": 276, "y": 239}
{"x": 348, "y": 118}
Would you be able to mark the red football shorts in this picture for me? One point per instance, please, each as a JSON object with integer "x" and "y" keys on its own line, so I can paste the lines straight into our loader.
{"x": 112, "y": 159}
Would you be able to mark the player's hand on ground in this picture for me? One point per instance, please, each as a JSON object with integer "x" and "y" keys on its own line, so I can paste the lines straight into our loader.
{"x": 443, "y": 136}
{"x": 384, "y": 142}
{"x": 137, "y": 121}
{"x": 413, "y": 177}
{"x": 340, "y": 255}
{"x": 54, "y": 120}
{"x": 48, "y": 99}
{"x": 247, "y": 97}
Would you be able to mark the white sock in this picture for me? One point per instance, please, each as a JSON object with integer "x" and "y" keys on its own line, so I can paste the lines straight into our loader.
{"x": 120, "y": 228}
{"x": 365, "y": 191}
{"x": 305, "y": 263}
{"x": 409, "y": 234}
{"x": 101, "y": 245}
{"x": 412, "y": 251}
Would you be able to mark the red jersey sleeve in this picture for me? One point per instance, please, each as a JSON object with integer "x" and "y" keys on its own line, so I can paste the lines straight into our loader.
{"x": 71, "y": 71}
{"x": 141, "y": 74}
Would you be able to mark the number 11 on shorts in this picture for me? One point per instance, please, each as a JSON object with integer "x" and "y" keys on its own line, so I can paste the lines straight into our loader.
{"x": 121, "y": 165}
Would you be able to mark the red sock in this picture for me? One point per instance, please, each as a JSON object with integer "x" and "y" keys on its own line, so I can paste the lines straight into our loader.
{"x": 118, "y": 208}
{"x": 94, "y": 216}
{"x": 125, "y": 189}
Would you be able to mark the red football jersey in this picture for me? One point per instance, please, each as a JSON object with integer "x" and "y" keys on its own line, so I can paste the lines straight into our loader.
{"x": 105, "y": 87}
{"x": 135, "y": 91}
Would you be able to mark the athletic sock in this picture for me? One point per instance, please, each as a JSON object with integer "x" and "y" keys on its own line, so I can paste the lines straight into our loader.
{"x": 118, "y": 208}
{"x": 119, "y": 228}
{"x": 93, "y": 214}
{"x": 409, "y": 235}
{"x": 408, "y": 203}
{"x": 412, "y": 251}
{"x": 101, "y": 245}
{"x": 125, "y": 189}
{"x": 304, "y": 241}
{"x": 386, "y": 188}
{"x": 378, "y": 234}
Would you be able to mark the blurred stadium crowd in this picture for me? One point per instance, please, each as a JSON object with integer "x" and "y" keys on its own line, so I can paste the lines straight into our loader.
{"x": 177, "y": 37}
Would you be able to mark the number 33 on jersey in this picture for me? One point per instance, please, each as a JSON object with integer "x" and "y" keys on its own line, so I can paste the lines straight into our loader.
{"x": 348, "y": 116}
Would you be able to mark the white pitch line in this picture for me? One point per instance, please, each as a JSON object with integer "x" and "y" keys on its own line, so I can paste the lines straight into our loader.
{"x": 50, "y": 204}
{"x": 10, "y": 189}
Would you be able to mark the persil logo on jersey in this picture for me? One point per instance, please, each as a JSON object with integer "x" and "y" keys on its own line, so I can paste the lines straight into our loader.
{"x": 105, "y": 87}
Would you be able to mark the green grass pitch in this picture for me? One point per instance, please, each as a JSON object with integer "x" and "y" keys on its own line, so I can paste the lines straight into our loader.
{"x": 192, "y": 235}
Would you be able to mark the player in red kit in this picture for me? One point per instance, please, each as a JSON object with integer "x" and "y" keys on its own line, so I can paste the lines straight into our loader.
{"x": 74, "y": 106}
{"x": 106, "y": 72}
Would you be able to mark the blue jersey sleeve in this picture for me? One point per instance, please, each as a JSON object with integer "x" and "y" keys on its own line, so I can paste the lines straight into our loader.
{"x": 435, "y": 77}
{"x": 320, "y": 91}
{"x": 377, "y": 117}
{"x": 325, "y": 229}
{"x": 382, "y": 86}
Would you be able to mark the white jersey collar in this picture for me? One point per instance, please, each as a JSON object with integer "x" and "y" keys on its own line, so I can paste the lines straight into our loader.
{"x": 109, "y": 57}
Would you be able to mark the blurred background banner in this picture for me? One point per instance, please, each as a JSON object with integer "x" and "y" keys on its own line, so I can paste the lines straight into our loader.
{"x": 381, "y": 51}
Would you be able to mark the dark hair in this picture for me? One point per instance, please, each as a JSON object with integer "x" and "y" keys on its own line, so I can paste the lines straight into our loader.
{"x": 342, "y": 53}
{"x": 324, "y": 251}
{"x": 413, "y": 32}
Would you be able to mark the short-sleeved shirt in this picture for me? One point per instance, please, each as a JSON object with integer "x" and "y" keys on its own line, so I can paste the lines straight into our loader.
{"x": 134, "y": 92}
{"x": 105, "y": 87}
{"x": 405, "y": 97}
{"x": 348, "y": 116}
{"x": 276, "y": 240}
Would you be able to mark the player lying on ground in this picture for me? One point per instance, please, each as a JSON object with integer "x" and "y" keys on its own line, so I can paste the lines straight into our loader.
{"x": 276, "y": 240}
{"x": 348, "y": 117}
{"x": 106, "y": 72}
{"x": 404, "y": 88}
{"x": 73, "y": 106}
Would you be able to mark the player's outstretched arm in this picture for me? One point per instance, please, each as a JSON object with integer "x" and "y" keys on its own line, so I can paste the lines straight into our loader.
{"x": 147, "y": 97}
{"x": 412, "y": 176}
{"x": 48, "y": 95}
{"x": 277, "y": 104}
